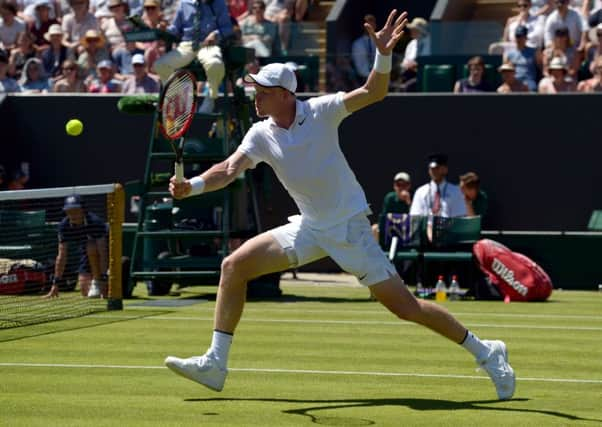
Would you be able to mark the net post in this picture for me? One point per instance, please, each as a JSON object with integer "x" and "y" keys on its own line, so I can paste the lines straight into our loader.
{"x": 116, "y": 214}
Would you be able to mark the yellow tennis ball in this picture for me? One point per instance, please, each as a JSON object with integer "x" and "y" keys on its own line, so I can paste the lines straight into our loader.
{"x": 74, "y": 127}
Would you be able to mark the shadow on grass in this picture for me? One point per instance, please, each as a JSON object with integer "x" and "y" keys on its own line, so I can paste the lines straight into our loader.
{"x": 415, "y": 404}
{"x": 285, "y": 298}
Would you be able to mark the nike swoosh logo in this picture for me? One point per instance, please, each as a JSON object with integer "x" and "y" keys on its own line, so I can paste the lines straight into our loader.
{"x": 302, "y": 121}
{"x": 363, "y": 277}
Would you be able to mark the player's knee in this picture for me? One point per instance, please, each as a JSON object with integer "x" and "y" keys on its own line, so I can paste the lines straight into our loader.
{"x": 235, "y": 265}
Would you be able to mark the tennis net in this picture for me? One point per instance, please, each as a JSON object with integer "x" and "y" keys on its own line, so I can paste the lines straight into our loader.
{"x": 34, "y": 226}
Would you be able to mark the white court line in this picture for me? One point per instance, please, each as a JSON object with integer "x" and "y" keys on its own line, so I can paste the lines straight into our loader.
{"x": 290, "y": 309}
{"x": 299, "y": 371}
{"x": 356, "y": 322}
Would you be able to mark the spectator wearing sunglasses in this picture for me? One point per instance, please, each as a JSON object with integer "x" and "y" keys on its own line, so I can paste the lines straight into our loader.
{"x": 70, "y": 81}
{"x": 564, "y": 17}
{"x": 533, "y": 23}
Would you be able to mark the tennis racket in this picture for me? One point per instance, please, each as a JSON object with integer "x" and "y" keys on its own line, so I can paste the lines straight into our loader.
{"x": 177, "y": 105}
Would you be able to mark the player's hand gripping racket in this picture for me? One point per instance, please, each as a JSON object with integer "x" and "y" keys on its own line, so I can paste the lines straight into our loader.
{"x": 177, "y": 105}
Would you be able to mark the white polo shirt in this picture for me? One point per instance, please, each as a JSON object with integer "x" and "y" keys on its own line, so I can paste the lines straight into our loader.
{"x": 452, "y": 200}
{"x": 308, "y": 161}
{"x": 573, "y": 21}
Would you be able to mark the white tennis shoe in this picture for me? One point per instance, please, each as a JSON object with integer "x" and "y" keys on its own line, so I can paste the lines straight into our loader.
{"x": 94, "y": 290}
{"x": 201, "y": 369}
{"x": 497, "y": 366}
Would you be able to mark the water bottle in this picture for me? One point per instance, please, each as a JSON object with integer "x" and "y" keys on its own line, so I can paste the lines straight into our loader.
{"x": 440, "y": 290}
{"x": 454, "y": 289}
{"x": 419, "y": 290}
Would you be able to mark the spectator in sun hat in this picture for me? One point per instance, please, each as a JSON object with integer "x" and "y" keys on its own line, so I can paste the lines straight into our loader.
{"x": 57, "y": 51}
{"x": 77, "y": 23}
{"x": 509, "y": 80}
{"x": 10, "y": 25}
{"x": 438, "y": 197}
{"x": 42, "y": 22}
{"x": 114, "y": 27}
{"x": 420, "y": 45}
{"x": 140, "y": 82}
{"x": 152, "y": 15}
{"x": 84, "y": 233}
{"x": 558, "y": 79}
{"x": 397, "y": 201}
{"x": 526, "y": 60}
{"x": 94, "y": 52}
{"x": 104, "y": 81}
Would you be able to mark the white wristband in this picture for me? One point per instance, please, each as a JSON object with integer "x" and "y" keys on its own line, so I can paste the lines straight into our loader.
{"x": 198, "y": 185}
{"x": 382, "y": 63}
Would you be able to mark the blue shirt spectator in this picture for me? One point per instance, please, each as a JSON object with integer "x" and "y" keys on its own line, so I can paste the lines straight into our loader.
{"x": 214, "y": 17}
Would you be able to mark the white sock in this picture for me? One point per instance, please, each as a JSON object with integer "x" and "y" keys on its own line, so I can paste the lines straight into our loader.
{"x": 474, "y": 345}
{"x": 220, "y": 347}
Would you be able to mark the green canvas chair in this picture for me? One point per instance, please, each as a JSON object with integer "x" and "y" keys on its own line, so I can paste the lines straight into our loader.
{"x": 452, "y": 241}
{"x": 438, "y": 78}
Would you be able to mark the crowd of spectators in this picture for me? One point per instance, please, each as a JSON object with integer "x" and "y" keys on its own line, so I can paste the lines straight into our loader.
{"x": 548, "y": 46}
{"x": 79, "y": 45}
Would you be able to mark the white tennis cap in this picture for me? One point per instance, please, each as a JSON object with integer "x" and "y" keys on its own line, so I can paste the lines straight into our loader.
{"x": 274, "y": 75}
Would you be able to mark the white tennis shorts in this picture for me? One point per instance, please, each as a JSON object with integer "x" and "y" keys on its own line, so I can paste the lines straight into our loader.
{"x": 350, "y": 244}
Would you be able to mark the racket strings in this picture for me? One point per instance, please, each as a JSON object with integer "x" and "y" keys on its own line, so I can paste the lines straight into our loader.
{"x": 178, "y": 94}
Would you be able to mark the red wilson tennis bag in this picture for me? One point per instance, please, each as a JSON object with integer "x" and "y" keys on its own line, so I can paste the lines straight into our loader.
{"x": 515, "y": 275}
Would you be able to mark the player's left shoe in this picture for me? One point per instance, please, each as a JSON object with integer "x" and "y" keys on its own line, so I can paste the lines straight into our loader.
{"x": 201, "y": 369}
{"x": 497, "y": 366}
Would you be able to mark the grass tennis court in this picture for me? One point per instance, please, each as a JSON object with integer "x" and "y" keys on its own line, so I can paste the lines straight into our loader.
{"x": 324, "y": 354}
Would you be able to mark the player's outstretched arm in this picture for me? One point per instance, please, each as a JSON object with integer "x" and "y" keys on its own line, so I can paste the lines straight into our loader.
{"x": 377, "y": 84}
{"x": 216, "y": 177}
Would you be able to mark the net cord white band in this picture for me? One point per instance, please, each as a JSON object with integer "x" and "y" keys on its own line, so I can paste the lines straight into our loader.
{"x": 47, "y": 193}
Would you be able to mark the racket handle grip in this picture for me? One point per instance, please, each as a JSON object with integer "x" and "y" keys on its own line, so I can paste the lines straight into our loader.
{"x": 179, "y": 171}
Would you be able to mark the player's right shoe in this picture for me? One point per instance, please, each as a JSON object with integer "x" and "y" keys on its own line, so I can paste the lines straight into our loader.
{"x": 94, "y": 290}
{"x": 496, "y": 364}
{"x": 201, "y": 369}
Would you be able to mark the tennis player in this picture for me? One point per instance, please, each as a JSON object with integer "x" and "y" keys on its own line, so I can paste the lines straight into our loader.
{"x": 299, "y": 140}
